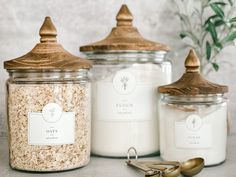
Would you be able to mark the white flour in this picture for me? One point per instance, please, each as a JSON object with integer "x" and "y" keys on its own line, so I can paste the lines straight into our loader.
{"x": 193, "y": 131}
{"x": 125, "y": 109}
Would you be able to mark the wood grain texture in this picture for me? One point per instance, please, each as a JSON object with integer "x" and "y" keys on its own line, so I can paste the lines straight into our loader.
{"x": 124, "y": 37}
{"x": 48, "y": 54}
{"x": 192, "y": 82}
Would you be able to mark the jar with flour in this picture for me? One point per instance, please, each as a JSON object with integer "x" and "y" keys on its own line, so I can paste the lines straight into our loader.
{"x": 193, "y": 117}
{"x": 127, "y": 69}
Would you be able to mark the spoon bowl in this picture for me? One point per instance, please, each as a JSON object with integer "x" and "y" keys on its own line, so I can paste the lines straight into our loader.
{"x": 192, "y": 166}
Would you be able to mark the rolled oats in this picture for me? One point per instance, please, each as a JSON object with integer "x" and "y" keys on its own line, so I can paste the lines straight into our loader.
{"x": 26, "y": 98}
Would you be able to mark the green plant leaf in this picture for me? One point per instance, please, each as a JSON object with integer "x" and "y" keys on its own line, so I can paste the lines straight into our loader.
{"x": 184, "y": 18}
{"x": 211, "y": 18}
{"x": 231, "y": 2}
{"x": 196, "y": 12}
{"x": 211, "y": 28}
{"x": 220, "y": 3}
{"x": 219, "y": 22}
{"x": 232, "y": 20}
{"x": 217, "y": 10}
{"x": 231, "y": 37}
{"x": 205, "y": 3}
{"x": 215, "y": 66}
{"x": 233, "y": 26}
{"x": 219, "y": 45}
{"x": 184, "y": 34}
{"x": 208, "y": 50}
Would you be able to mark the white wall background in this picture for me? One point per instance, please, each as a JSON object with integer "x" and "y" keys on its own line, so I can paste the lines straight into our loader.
{"x": 80, "y": 22}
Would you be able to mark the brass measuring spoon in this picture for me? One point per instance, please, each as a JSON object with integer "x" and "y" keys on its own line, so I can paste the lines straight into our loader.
{"x": 166, "y": 172}
{"x": 149, "y": 172}
{"x": 192, "y": 166}
{"x": 189, "y": 168}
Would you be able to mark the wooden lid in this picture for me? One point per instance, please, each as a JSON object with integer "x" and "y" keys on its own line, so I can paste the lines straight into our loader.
{"x": 48, "y": 54}
{"x": 124, "y": 37}
{"x": 192, "y": 82}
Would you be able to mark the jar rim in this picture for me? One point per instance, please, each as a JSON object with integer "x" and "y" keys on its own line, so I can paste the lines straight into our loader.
{"x": 46, "y": 71}
{"x": 126, "y": 56}
{"x": 124, "y": 51}
{"x": 195, "y": 99}
{"x": 49, "y": 76}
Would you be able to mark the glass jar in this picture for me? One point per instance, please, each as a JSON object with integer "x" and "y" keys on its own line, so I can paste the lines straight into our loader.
{"x": 193, "y": 124}
{"x": 125, "y": 77}
{"x": 49, "y": 107}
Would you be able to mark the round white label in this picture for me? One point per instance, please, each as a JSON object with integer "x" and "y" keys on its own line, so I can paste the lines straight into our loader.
{"x": 193, "y": 122}
{"x": 124, "y": 82}
{"x": 51, "y": 112}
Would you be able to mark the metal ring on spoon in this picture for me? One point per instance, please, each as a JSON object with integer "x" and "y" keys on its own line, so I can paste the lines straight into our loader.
{"x": 135, "y": 153}
{"x": 148, "y": 171}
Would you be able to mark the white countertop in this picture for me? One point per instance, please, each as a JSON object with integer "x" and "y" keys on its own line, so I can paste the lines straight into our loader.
{"x": 106, "y": 167}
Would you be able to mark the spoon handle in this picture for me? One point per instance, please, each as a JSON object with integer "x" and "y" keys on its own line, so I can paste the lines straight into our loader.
{"x": 173, "y": 163}
{"x": 148, "y": 171}
{"x": 157, "y": 167}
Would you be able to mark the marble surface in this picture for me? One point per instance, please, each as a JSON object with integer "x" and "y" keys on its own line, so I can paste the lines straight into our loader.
{"x": 81, "y": 22}
{"x": 105, "y": 167}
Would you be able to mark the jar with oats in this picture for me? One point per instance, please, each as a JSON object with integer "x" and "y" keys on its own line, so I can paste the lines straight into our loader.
{"x": 127, "y": 69}
{"x": 48, "y": 105}
{"x": 193, "y": 117}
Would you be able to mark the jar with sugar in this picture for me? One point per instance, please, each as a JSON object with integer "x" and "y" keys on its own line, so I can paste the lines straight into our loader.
{"x": 48, "y": 107}
{"x": 127, "y": 69}
{"x": 193, "y": 117}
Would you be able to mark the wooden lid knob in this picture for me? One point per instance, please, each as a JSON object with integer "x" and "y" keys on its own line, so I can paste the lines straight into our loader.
{"x": 48, "y": 55}
{"x": 124, "y": 37}
{"x": 192, "y": 63}
{"x": 48, "y": 31}
{"x": 124, "y": 16}
{"x": 192, "y": 83}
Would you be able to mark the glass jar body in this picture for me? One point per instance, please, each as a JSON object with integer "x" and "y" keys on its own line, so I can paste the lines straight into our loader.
{"x": 193, "y": 126}
{"x": 49, "y": 120}
{"x": 125, "y": 102}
